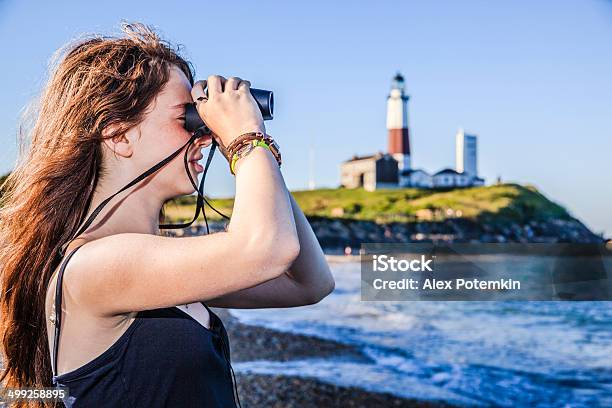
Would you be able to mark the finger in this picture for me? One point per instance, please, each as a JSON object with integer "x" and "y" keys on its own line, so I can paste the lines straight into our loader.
{"x": 197, "y": 91}
{"x": 201, "y": 99}
{"x": 244, "y": 86}
{"x": 215, "y": 84}
{"x": 222, "y": 148}
{"x": 232, "y": 83}
{"x": 223, "y": 81}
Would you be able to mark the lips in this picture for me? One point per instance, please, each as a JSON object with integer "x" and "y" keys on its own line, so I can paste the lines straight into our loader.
{"x": 197, "y": 165}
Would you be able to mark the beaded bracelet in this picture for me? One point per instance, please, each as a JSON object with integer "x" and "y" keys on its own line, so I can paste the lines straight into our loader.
{"x": 244, "y": 143}
{"x": 244, "y": 151}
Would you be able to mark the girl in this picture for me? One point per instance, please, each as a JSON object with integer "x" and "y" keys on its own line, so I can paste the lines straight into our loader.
{"x": 114, "y": 107}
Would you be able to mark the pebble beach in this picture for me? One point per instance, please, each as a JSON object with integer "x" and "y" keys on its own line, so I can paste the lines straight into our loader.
{"x": 249, "y": 343}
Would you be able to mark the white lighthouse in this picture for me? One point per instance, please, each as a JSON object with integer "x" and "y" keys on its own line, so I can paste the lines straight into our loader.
{"x": 397, "y": 124}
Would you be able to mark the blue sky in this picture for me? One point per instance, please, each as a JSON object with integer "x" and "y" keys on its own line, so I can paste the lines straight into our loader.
{"x": 532, "y": 79}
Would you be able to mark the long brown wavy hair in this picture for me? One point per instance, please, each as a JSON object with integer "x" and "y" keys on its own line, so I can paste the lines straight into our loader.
{"x": 94, "y": 82}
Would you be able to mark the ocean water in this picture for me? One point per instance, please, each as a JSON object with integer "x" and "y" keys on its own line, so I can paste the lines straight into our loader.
{"x": 508, "y": 354}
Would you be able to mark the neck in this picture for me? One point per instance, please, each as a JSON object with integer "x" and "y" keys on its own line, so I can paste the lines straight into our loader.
{"x": 133, "y": 211}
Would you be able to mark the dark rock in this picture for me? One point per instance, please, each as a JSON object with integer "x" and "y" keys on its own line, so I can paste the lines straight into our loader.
{"x": 278, "y": 391}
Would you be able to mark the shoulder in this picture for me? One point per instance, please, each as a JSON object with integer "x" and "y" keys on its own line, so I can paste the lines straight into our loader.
{"x": 87, "y": 263}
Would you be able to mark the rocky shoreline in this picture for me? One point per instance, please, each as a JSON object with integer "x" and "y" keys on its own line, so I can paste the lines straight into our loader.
{"x": 338, "y": 233}
{"x": 250, "y": 343}
{"x": 335, "y": 234}
{"x": 277, "y": 391}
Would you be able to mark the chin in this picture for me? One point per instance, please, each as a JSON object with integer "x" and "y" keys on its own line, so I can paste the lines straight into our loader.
{"x": 174, "y": 181}
{"x": 186, "y": 190}
{"x": 177, "y": 190}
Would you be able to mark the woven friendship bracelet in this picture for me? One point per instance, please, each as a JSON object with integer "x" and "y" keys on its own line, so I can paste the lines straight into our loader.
{"x": 241, "y": 153}
{"x": 240, "y": 147}
{"x": 244, "y": 138}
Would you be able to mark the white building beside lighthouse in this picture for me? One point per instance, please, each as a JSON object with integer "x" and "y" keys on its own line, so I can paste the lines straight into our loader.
{"x": 466, "y": 158}
{"x": 465, "y": 153}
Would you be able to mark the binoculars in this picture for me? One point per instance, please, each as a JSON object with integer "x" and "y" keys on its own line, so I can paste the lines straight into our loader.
{"x": 264, "y": 99}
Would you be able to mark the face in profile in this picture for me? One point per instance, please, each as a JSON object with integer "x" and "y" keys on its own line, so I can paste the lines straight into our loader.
{"x": 160, "y": 134}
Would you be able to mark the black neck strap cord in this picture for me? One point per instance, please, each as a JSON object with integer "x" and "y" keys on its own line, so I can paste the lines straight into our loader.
{"x": 200, "y": 191}
{"x": 200, "y": 205}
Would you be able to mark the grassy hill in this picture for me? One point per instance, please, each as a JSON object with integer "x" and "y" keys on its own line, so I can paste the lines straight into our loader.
{"x": 341, "y": 217}
{"x": 499, "y": 203}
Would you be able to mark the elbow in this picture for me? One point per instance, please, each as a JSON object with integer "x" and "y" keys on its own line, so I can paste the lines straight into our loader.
{"x": 322, "y": 292}
{"x": 286, "y": 250}
{"x": 275, "y": 253}
{"x": 329, "y": 288}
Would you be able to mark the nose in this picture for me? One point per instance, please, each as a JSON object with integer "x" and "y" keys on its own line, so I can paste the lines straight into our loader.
{"x": 203, "y": 141}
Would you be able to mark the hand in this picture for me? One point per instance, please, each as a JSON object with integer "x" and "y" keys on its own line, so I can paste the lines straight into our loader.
{"x": 230, "y": 110}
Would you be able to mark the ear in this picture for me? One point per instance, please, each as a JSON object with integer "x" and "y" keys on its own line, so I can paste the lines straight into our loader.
{"x": 121, "y": 144}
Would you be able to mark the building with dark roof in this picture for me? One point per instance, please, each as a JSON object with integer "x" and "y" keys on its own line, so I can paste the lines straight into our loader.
{"x": 370, "y": 172}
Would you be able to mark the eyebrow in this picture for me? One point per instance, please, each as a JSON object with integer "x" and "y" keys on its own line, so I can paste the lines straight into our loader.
{"x": 179, "y": 105}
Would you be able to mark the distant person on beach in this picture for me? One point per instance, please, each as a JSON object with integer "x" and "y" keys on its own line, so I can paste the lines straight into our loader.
{"x": 112, "y": 108}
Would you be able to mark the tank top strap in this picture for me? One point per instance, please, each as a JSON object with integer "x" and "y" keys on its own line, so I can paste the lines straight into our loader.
{"x": 58, "y": 312}
{"x": 207, "y": 308}
{"x": 214, "y": 319}
{"x": 220, "y": 329}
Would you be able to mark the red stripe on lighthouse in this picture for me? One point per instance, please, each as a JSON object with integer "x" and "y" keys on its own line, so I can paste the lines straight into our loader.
{"x": 399, "y": 141}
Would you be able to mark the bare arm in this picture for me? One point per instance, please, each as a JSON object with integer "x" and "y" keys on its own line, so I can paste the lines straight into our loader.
{"x": 307, "y": 280}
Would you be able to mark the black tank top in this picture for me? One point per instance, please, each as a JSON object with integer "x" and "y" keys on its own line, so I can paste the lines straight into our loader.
{"x": 165, "y": 358}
